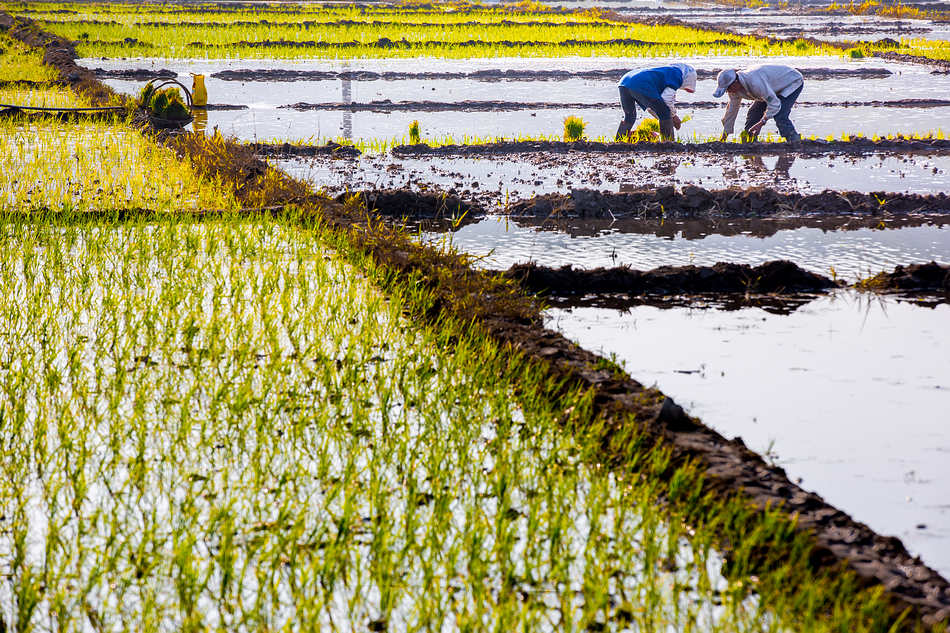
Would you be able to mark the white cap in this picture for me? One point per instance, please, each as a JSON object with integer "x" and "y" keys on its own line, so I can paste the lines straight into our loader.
{"x": 723, "y": 81}
{"x": 689, "y": 77}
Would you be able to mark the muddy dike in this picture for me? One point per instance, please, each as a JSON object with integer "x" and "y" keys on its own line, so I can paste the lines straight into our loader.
{"x": 135, "y": 74}
{"x": 696, "y": 201}
{"x": 923, "y": 279}
{"x": 275, "y": 75}
{"x": 775, "y": 277}
{"x": 454, "y": 292}
{"x": 283, "y": 150}
{"x": 778, "y": 304}
{"x": 466, "y": 105}
{"x": 404, "y": 44}
{"x": 940, "y": 66}
{"x": 405, "y": 204}
{"x": 857, "y": 146}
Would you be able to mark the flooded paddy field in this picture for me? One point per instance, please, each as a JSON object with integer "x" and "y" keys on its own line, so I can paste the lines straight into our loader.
{"x": 844, "y": 393}
{"x": 322, "y": 99}
{"x": 835, "y": 249}
{"x": 314, "y": 415}
{"x": 495, "y": 181}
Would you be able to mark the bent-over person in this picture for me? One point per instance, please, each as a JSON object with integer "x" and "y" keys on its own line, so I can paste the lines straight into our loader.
{"x": 654, "y": 90}
{"x": 773, "y": 88}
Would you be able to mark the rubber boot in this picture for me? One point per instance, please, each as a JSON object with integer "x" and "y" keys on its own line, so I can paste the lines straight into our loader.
{"x": 794, "y": 138}
{"x": 666, "y": 129}
{"x": 623, "y": 131}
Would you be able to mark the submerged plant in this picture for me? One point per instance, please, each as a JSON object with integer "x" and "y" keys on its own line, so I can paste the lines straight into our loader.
{"x": 574, "y": 128}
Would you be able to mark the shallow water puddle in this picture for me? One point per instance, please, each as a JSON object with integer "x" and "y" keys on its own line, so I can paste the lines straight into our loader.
{"x": 848, "y": 393}
{"x": 849, "y": 255}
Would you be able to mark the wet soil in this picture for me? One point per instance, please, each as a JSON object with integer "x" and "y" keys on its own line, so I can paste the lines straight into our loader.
{"x": 471, "y": 296}
{"x": 386, "y": 105}
{"x": 916, "y": 278}
{"x": 489, "y": 75}
{"x": 851, "y": 147}
{"x": 940, "y": 66}
{"x": 697, "y": 201}
{"x": 404, "y": 44}
{"x": 404, "y": 204}
{"x": 781, "y": 277}
{"x": 331, "y": 148}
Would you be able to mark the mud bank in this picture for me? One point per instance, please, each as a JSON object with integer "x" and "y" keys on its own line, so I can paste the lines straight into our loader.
{"x": 286, "y": 149}
{"x": 939, "y": 65}
{"x": 404, "y": 44}
{"x": 278, "y": 75}
{"x": 771, "y": 277}
{"x": 462, "y": 294}
{"x": 386, "y": 105}
{"x": 914, "y": 279}
{"x": 854, "y": 146}
{"x": 693, "y": 200}
{"x": 405, "y": 204}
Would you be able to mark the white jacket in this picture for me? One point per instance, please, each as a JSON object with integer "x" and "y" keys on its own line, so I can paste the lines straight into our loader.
{"x": 762, "y": 83}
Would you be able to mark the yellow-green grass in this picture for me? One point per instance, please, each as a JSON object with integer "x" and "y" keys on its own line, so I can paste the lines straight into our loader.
{"x": 95, "y": 166}
{"x": 221, "y": 425}
{"x": 41, "y": 97}
{"x": 439, "y": 32}
{"x": 18, "y": 62}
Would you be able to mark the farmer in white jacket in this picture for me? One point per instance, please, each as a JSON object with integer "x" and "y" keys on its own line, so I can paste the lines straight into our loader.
{"x": 773, "y": 88}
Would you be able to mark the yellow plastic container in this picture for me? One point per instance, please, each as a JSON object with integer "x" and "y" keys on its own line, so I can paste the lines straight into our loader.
{"x": 199, "y": 94}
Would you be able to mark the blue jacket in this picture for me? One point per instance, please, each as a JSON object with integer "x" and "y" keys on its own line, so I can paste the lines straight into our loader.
{"x": 653, "y": 81}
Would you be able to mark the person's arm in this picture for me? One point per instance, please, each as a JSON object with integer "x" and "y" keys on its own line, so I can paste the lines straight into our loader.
{"x": 669, "y": 98}
{"x": 729, "y": 119}
{"x": 760, "y": 87}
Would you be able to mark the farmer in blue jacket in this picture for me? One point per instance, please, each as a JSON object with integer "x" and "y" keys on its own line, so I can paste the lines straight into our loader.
{"x": 654, "y": 90}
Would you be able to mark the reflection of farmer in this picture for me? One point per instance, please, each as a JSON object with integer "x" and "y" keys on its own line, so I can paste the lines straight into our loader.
{"x": 654, "y": 90}
{"x": 774, "y": 90}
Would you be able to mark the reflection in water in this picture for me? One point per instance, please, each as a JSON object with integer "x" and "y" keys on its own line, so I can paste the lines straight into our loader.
{"x": 756, "y": 165}
{"x": 846, "y": 392}
{"x": 347, "y": 99}
{"x": 200, "y": 124}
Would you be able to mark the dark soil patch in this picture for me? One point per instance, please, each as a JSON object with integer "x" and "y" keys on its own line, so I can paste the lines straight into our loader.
{"x": 332, "y": 148}
{"x": 492, "y": 75}
{"x": 771, "y": 303}
{"x": 92, "y": 115}
{"x": 939, "y": 65}
{"x": 697, "y": 201}
{"x": 916, "y": 278}
{"x": 404, "y": 204}
{"x": 386, "y": 105}
{"x": 387, "y": 43}
{"x": 136, "y": 74}
{"x": 857, "y": 146}
{"x": 27, "y": 83}
{"x": 772, "y": 277}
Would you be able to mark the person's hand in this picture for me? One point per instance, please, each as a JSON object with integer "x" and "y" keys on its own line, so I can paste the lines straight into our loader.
{"x": 722, "y": 139}
{"x": 677, "y": 122}
{"x": 755, "y": 129}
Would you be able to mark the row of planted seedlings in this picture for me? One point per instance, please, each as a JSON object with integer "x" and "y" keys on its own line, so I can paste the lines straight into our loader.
{"x": 333, "y": 31}
{"x": 587, "y": 33}
{"x": 225, "y": 423}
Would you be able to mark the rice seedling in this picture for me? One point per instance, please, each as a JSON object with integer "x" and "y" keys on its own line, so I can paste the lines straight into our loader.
{"x": 854, "y": 53}
{"x": 574, "y": 128}
{"x": 19, "y": 63}
{"x": 95, "y": 166}
{"x": 404, "y": 32}
{"x": 228, "y": 427}
{"x": 415, "y": 134}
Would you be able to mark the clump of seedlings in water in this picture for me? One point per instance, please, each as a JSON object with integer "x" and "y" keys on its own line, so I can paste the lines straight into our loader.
{"x": 574, "y": 128}
{"x": 415, "y": 133}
